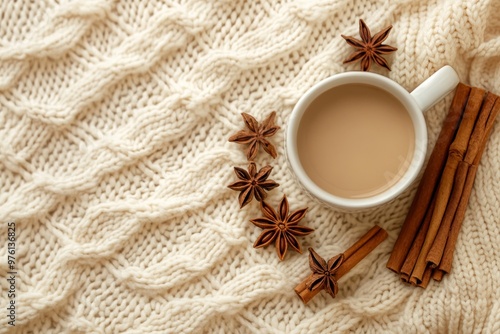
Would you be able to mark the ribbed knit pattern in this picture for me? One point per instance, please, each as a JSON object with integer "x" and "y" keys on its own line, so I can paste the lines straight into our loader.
{"x": 114, "y": 161}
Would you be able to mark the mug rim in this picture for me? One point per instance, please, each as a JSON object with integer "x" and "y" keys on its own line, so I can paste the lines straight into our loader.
{"x": 382, "y": 82}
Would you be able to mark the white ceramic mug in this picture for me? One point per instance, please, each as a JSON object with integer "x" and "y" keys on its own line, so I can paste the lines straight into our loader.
{"x": 422, "y": 98}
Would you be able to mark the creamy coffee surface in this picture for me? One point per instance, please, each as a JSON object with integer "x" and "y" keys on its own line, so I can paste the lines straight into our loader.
{"x": 355, "y": 140}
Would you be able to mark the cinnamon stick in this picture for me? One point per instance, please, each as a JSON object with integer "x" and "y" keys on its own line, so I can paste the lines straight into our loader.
{"x": 404, "y": 277}
{"x": 411, "y": 259}
{"x": 447, "y": 258}
{"x": 426, "y": 278}
{"x": 478, "y": 136}
{"x": 304, "y": 293}
{"x": 482, "y": 129}
{"x": 456, "y": 154}
{"x": 437, "y": 274}
{"x": 361, "y": 249}
{"x": 352, "y": 256}
{"x": 437, "y": 248}
{"x": 427, "y": 185}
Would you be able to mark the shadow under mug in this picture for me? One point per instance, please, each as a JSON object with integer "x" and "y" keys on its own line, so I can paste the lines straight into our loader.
{"x": 419, "y": 100}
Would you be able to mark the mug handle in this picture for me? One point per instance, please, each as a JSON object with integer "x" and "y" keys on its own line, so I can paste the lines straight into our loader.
{"x": 435, "y": 87}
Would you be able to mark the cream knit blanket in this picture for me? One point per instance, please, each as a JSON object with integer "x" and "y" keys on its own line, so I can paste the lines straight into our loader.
{"x": 114, "y": 160}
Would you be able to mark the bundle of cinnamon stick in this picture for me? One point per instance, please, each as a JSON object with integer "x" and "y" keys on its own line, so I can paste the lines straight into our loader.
{"x": 426, "y": 243}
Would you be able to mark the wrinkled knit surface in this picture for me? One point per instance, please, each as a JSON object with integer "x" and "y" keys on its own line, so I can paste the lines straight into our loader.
{"x": 114, "y": 159}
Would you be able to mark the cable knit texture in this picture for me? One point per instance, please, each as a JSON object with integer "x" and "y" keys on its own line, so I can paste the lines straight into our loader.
{"x": 114, "y": 160}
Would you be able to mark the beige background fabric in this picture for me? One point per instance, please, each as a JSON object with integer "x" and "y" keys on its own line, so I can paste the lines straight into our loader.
{"x": 114, "y": 160}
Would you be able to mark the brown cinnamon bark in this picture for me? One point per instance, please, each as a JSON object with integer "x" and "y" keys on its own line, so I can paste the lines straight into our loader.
{"x": 304, "y": 293}
{"x": 482, "y": 129}
{"x": 436, "y": 251}
{"x": 437, "y": 274}
{"x": 456, "y": 154}
{"x": 427, "y": 185}
{"x": 446, "y": 261}
{"x": 411, "y": 259}
{"x": 426, "y": 278}
{"x": 404, "y": 278}
{"x": 478, "y": 136}
{"x": 352, "y": 256}
{"x": 447, "y": 256}
{"x": 361, "y": 249}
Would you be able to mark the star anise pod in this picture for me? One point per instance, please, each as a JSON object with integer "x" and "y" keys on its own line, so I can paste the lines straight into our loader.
{"x": 252, "y": 183}
{"x": 369, "y": 49}
{"x": 323, "y": 276}
{"x": 280, "y": 226}
{"x": 256, "y": 135}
